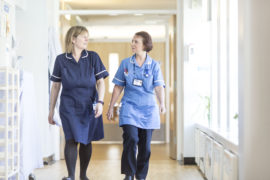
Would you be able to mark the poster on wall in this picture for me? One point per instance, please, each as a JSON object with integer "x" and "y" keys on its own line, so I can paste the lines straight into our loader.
{"x": 4, "y": 19}
{"x": 6, "y": 22}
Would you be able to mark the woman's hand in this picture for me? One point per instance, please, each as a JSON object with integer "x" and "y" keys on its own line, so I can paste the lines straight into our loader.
{"x": 98, "y": 110}
{"x": 162, "y": 109}
{"x": 50, "y": 118}
{"x": 110, "y": 114}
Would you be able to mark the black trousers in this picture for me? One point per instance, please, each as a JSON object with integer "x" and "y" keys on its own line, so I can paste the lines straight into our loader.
{"x": 136, "y": 138}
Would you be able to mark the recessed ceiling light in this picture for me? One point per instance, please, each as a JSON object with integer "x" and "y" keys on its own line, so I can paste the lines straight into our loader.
{"x": 150, "y": 22}
{"x": 68, "y": 17}
{"x": 138, "y": 14}
{"x": 113, "y": 14}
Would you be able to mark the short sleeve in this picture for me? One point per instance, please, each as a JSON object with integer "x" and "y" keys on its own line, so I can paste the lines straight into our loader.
{"x": 158, "y": 78}
{"x": 99, "y": 69}
{"x": 119, "y": 78}
{"x": 56, "y": 75}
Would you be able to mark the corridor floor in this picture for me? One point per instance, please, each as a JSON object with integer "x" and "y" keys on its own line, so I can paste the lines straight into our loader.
{"x": 105, "y": 165}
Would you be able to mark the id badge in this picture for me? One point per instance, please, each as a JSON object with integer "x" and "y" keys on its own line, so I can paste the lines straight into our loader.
{"x": 137, "y": 82}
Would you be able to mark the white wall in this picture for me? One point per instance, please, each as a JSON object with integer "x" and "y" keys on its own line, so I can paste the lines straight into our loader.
{"x": 254, "y": 88}
{"x": 32, "y": 36}
{"x": 179, "y": 80}
{"x": 193, "y": 104}
{"x": 53, "y": 19}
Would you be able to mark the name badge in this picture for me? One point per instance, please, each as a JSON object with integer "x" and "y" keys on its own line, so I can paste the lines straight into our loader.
{"x": 137, "y": 82}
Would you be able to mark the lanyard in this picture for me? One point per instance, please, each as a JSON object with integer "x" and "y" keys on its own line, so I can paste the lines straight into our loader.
{"x": 146, "y": 70}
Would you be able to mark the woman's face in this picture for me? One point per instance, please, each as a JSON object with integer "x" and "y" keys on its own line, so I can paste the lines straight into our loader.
{"x": 137, "y": 44}
{"x": 81, "y": 41}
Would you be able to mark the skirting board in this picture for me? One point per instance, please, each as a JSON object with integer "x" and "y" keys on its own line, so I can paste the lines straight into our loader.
{"x": 189, "y": 161}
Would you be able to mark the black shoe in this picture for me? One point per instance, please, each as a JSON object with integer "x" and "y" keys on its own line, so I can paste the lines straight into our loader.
{"x": 66, "y": 178}
{"x": 128, "y": 177}
{"x": 31, "y": 177}
{"x": 85, "y": 178}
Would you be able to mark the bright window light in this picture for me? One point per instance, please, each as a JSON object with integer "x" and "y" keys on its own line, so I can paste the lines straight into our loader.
{"x": 219, "y": 34}
{"x": 113, "y": 66}
{"x": 233, "y": 115}
{"x": 223, "y": 68}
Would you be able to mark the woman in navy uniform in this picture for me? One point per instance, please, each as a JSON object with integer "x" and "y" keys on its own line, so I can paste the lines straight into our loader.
{"x": 142, "y": 79}
{"x": 79, "y": 72}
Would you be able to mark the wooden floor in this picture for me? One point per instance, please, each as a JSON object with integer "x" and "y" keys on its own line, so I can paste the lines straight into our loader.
{"x": 105, "y": 165}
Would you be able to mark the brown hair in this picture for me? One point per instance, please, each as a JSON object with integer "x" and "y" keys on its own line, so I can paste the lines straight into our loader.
{"x": 147, "y": 40}
{"x": 73, "y": 32}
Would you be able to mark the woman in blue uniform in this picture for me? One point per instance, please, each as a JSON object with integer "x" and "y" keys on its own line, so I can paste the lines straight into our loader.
{"x": 81, "y": 74}
{"x": 142, "y": 79}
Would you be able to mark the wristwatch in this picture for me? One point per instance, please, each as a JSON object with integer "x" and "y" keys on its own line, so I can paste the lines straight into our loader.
{"x": 101, "y": 102}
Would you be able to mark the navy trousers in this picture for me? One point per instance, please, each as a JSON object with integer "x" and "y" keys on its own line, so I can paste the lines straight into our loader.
{"x": 131, "y": 163}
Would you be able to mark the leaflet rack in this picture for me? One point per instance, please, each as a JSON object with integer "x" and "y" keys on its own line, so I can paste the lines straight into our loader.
{"x": 9, "y": 123}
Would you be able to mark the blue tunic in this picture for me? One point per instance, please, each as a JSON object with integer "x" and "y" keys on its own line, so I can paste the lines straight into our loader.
{"x": 78, "y": 95}
{"x": 139, "y": 107}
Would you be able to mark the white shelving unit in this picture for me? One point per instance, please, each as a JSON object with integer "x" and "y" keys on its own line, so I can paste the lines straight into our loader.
{"x": 9, "y": 123}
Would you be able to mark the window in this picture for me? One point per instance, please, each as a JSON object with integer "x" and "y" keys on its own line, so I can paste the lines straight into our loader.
{"x": 224, "y": 78}
{"x": 113, "y": 66}
{"x": 213, "y": 99}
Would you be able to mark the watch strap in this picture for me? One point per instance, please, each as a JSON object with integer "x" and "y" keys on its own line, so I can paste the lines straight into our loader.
{"x": 101, "y": 102}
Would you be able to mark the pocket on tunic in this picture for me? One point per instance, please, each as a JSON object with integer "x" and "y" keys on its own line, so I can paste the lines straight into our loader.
{"x": 129, "y": 80}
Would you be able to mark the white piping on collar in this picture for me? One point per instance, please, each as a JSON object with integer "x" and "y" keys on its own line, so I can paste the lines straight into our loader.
{"x": 85, "y": 55}
{"x": 148, "y": 63}
{"x": 82, "y": 57}
{"x": 68, "y": 57}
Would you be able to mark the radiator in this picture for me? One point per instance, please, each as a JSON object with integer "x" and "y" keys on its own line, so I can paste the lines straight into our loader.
{"x": 217, "y": 161}
{"x": 229, "y": 171}
{"x": 197, "y": 145}
{"x": 208, "y": 157}
{"x": 202, "y": 152}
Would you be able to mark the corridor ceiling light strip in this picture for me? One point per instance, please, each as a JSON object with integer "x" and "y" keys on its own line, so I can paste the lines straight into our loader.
{"x": 119, "y": 12}
{"x": 138, "y": 14}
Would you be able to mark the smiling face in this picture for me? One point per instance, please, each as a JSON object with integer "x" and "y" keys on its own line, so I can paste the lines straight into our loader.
{"x": 137, "y": 44}
{"x": 81, "y": 41}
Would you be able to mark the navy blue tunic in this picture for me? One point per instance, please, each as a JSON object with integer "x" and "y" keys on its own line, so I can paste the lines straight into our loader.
{"x": 78, "y": 95}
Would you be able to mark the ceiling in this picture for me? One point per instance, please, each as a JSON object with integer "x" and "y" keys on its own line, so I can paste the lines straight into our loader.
{"x": 122, "y": 20}
{"x": 121, "y": 4}
{"x": 128, "y": 19}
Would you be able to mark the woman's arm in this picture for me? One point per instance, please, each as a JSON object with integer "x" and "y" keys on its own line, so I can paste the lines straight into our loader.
{"x": 101, "y": 91}
{"x": 53, "y": 98}
{"x": 115, "y": 95}
{"x": 161, "y": 98}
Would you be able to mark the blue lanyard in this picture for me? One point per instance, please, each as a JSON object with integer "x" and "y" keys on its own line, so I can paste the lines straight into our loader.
{"x": 146, "y": 70}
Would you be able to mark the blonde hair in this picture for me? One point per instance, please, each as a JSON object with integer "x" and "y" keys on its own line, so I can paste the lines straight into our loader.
{"x": 73, "y": 32}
